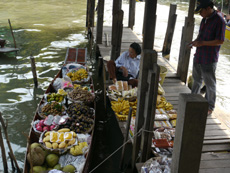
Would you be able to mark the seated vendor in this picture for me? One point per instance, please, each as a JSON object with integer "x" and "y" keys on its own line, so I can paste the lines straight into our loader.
{"x": 126, "y": 67}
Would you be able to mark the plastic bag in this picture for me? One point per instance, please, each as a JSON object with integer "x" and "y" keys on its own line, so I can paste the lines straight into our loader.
{"x": 161, "y": 117}
{"x": 58, "y": 83}
{"x": 77, "y": 161}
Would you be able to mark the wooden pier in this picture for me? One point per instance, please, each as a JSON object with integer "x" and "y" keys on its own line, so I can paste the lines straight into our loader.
{"x": 216, "y": 144}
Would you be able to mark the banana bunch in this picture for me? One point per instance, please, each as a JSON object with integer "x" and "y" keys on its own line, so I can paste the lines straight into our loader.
{"x": 78, "y": 149}
{"x": 76, "y": 86}
{"x": 62, "y": 92}
{"x": 164, "y": 104}
{"x": 121, "y": 106}
{"x": 78, "y": 75}
{"x": 134, "y": 106}
{"x": 55, "y": 97}
{"x": 121, "y": 117}
{"x": 60, "y": 139}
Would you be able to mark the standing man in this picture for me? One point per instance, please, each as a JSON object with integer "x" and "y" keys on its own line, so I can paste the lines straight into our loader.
{"x": 211, "y": 36}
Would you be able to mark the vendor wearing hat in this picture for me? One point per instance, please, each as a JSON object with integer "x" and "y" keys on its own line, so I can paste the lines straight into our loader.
{"x": 211, "y": 36}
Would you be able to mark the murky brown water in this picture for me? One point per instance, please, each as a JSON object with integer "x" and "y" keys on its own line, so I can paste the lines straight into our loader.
{"x": 44, "y": 29}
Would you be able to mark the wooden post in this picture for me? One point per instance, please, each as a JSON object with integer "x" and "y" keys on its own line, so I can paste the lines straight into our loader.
{"x": 117, "y": 30}
{"x": 11, "y": 29}
{"x": 4, "y": 160}
{"x": 148, "y": 58}
{"x": 116, "y": 7}
{"x": 90, "y": 13}
{"x": 12, "y": 161}
{"x": 126, "y": 138}
{"x": 190, "y": 129}
{"x": 170, "y": 30}
{"x": 149, "y": 112}
{"x": 87, "y": 13}
{"x": 149, "y": 24}
{"x": 187, "y": 34}
{"x": 100, "y": 17}
{"x": 132, "y": 8}
{"x": 228, "y": 6}
{"x": 33, "y": 67}
{"x": 8, "y": 142}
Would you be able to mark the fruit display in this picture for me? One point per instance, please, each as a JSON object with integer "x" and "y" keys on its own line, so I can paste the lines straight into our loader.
{"x": 54, "y": 97}
{"x": 78, "y": 75}
{"x": 36, "y": 156}
{"x": 62, "y": 92}
{"x": 40, "y": 126}
{"x": 80, "y": 118}
{"x": 80, "y": 109}
{"x": 53, "y": 108}
{"x": 42, "y": 161}
{"x": 130, "y": 94}
{"x": 164, "y": 104}
{"x": 78, "y": 149}
{"x": 79, "y": 94}
{"x": 61, "y": 139}
{"x": 69, "y": 168}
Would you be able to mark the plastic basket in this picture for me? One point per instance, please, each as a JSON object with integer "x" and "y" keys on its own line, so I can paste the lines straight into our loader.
{"x": 163, "y": 72}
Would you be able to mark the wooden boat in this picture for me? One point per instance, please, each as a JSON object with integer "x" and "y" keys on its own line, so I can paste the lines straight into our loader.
{"x": 77, "y": 55}
{"x": 227, "y": 33}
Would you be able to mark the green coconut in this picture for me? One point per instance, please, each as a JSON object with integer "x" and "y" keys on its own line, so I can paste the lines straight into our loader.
{"x": 37, "y": 169}
{"x": 58, "y": 167}
{"x": 52, "y": 160}
{"x": 37, "y": 155}
{"x": 34, "y": 145}
{"x": 69, "y": 168}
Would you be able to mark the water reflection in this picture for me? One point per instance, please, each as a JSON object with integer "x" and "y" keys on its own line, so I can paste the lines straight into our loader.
{"x": 43, "y": 29}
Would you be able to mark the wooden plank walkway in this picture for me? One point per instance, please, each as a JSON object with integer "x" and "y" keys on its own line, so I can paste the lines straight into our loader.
{"x": 217, "y": 135}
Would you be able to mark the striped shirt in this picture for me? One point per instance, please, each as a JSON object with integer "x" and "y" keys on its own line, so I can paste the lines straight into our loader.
{"x": 212, "y": 28}
{"x": 131, "y": 64}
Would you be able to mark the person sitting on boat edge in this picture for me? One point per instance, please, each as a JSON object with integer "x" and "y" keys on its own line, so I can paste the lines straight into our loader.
{"x": 126, "y": 66}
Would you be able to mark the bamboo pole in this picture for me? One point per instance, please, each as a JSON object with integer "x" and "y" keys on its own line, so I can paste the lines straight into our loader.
{"x": 33, "y": 67}
{"x": 8, "y": 142}
{"x": 12, "y": 33}
{"x": 3, "y": 153}
{"x": 12, "y": 161}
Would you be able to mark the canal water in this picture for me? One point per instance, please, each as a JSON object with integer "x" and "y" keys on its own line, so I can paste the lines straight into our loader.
{"x": 44, "y": 30}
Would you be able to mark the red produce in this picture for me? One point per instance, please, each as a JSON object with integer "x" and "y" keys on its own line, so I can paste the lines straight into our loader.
{"x": 46, "y": 128}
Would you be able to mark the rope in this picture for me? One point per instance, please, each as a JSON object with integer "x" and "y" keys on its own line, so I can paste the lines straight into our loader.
{"x": 117, "y": 150}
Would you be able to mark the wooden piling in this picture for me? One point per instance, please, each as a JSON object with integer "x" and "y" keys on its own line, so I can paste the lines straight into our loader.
{"x": 186, "y": 38}
{"x": 149, "y": 112}
{"x": 117, "y": 30}
{"x": 12, "y": 161}
{"x": 190, "y": 129}
{"x": 149, "y": 24}
{"x": 4, "y": 160}
{"x": 11, "y": 29}
{"x": 132, "y": 8}
{"x": 148, "y": 58}
{"x": 33, "y": 68}
{"x": 8, "y": 142}
{"x": 126, "y": 138}
{"x": 90, "y": 13}
{"x": 170, "y": 30}
{"x": 100, "y": 17}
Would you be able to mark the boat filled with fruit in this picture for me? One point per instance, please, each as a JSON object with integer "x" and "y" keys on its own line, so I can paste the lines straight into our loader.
{"x": 62, "y": 127}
